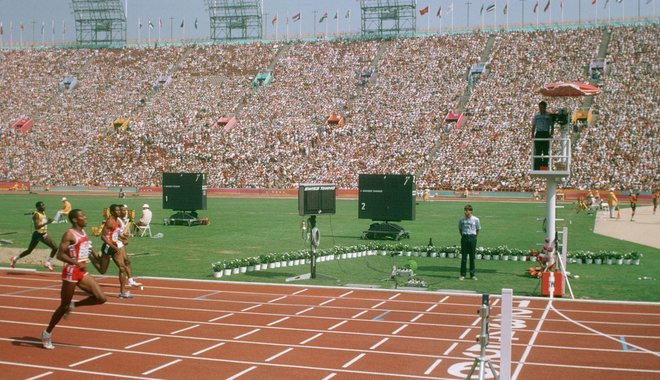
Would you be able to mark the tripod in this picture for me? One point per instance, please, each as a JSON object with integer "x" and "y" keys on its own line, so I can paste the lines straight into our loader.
{"x": 482, "y": 338}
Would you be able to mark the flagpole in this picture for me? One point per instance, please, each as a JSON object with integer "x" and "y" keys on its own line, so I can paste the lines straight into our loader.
{"x": 428, "y": 22}
{"x": 337, "y": 18}
{"x": 139, "y": 30}
{"x": 184, "y": 27}
{"x": 300, "y": 27}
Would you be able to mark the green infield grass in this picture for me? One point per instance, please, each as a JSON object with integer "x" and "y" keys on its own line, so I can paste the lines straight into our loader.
{"x": 242, "y": 227}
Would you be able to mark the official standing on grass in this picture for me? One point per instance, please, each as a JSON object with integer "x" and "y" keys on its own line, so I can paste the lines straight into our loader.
{"x": 469, "y": 227}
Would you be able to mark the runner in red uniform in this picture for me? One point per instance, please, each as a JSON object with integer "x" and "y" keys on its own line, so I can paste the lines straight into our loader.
{"x": 75, "y": 250}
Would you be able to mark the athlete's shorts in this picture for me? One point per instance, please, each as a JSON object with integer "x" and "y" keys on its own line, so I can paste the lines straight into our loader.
{"x": 108, "y": 250}
{"x": 38, "y": 236}
{"x": 633, "y": 206}
{"x": 72, "y": 273}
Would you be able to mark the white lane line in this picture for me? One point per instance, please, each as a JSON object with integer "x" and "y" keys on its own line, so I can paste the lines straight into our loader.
{"x": 359, "y": 314}
{"x": 221, "y": 317}
{"x": 450, "y": 349}
{"x": 247, "y": 333}
{"x": 378, "y": 305}
{"x": 432, "y": 367}
{"x": 251, "y": 307}
{"x": 90, "y": 359}
{"x": 326, "y": 302}
{"x": 236, "y": 376}
{"x": 141, "y": 343}
{"x": 278, "y": 321}
{"x": 431, "y": 308}
{"x": 467, "y": 331}
{"x": 346, "y": 294}
{"x": 353, "y": 360}
{"x": 299, "y": 291}
{"x": 399, "y": 329}
{"x": 375, "y": 346}
{"x": 40, "y": 376}
{"x": 208, "y": 348}
{"x": 304, "y": 311}
{"x": 184, "y": 329}
{"x": 279, "y": 354}
{"x": 417, "y": 317}
{"x": 444, "y": 299}
{"x": 310, "y": 339}
{"x": 476, "y": 322}
{"x": 394, "y": 296}
{"x": 521, "y": 362}
{"x": 337, "y": 325}
{"x": 161, "y": 367}
{"x": 330, "y": 376}
{"x": 277, "y": 299}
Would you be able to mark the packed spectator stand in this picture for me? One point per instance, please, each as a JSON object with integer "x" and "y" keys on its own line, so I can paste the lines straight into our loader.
{"x": 393, "y": 120}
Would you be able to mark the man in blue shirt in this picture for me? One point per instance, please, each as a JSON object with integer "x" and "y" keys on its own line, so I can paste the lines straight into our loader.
{"x": 542, "y": 128}
{"x": 469, "y": 227}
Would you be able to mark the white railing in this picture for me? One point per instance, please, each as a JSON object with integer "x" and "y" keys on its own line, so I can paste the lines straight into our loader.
{"x": 558, "y": 160}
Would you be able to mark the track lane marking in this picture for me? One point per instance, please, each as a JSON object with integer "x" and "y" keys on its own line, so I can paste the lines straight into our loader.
{"x": 330, "y": 376}
{"x": 467, "y": 331}
{"x": 352, "y": 361}
{"x": 417, "y": 317}
{"x": 378, "y": 305}
{"x": 90, "y": 359}
{"x": 310, "y": 339}
{"x": 141, "y": 343}
{"x": 299, "y": 291}
{"x": 450, "y": 349}
{"x": 277, "y": 299}
{"x": 326, "y": 302}
{"x": 162, "y": 366}
{"x": 375, "y": 346}
{"x": 251, "y": 307}
{"x": 380, "y": 316}
{"x": 243, "y": 372}
{"x": 208, "y": 348}
{"x": 399, "y": 329}
{"x": 247, "y": 333}
{"x": 359, "y": 314}
{"x": 184, "y": 329}
{"x": 40, "y": 376}
{"x": 394, "y": 296}
{"x": 278, "y": 321}
{"x": 346, "y": 294}
{"x": 304, "y": 311}
{"x": 432, "y": 367}
{"x": 278, "y": 355}
{"x": 221, "y": 317}
{"x": 337, "y": 325}
{"x": 528, "y": 348}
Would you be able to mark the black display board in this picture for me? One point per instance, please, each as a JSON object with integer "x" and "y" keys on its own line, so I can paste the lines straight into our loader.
{"x": 316, "y": 199}
{"x": 386, "y": 197}
{"x": 184, "y": 191}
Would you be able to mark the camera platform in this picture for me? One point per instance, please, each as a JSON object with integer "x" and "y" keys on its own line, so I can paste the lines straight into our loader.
{"x": 385, "y": 230}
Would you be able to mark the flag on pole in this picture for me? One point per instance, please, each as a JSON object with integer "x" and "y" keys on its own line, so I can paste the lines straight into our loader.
{"x": 183, "y": 22}
{"x": 196, "y": 23}
{"x": 296, "y": 17}
{"x": 336, "y": 15}
{"x": 606, "y": 2}
{"x": 490, "y": 8}
{"x": 619, "y": 1}
{"x": 439, "y": 13}
{"x": 274, "y": 20}
{"x": 481, "y": 11}
{"x": 151, "y": 26}
{"x": 21, "y": 26}
{"x": 2, "y": 30}
{"x": 348, "y": 14}
{"x": 506, "y": 7}
{"x": 139, "y": 24}
{"x": 160, "y": 23}
{"x": 424, "y": 11}
{"x": 547, "y": 6}
{"x": 53, "y": 26}
{"x": 536, "y": 6}
{"x": 63, "y": 27}
{"x": 561, "y": 4}
{"x": 450, "y": 8}
{"x": 593, "y": 2}
{"x": 43, "y": 26}
{"x": 325, "y": 15}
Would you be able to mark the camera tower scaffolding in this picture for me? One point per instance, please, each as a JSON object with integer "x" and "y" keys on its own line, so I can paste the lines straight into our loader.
{"x": 382, "y": 18}
{"x": 235, "y": 19}
{"x": 99, "y": 23}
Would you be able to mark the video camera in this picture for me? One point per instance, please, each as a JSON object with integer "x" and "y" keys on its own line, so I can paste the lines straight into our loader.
{"x": 560, "y": 116}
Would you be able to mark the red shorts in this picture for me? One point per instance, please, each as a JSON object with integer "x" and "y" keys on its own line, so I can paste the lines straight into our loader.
{"x": 72, "y": 273}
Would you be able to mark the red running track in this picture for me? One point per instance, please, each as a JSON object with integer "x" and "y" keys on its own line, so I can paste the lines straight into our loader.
{"x": 177, "y": 329}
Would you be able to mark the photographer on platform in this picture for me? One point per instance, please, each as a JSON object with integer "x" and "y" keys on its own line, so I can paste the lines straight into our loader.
{"x": 542, "y": 128}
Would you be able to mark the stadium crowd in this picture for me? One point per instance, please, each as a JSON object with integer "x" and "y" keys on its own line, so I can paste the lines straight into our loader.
{"x": 393, "y": 118}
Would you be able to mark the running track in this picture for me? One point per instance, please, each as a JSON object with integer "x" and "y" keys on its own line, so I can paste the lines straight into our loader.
{"x": 220, "y": 330}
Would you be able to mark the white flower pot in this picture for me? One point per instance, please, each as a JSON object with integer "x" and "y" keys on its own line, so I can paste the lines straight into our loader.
{"x": 505, "y": 257}
{"x": 235, "y": 271}
{"x": 636, "y": 262}
{"x": 217, "y": 274}
{"x": 226, "y": 272}
{"x": 627, "y": 261}
{"x": 434, "y": 254}
{"x": 383, "y": 253}
{"x": 242, "y": 269}
{"x": 598, "y": 261}
{"x": 514, "y": 258}
{"x": 477, "y": 257}
{"x": 257, "y": 267}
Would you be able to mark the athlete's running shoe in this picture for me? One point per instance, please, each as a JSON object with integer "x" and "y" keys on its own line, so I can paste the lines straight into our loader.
{"x": 126, "y": 295}
{"x": 48, "y": 265}
{"x": 12, "y": 262}
{"x": 46, "y": 341}
{"x": 132, "y": 282}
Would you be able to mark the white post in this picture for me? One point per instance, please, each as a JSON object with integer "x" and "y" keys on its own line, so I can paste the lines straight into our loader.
{"x": 506, "y": 334}
{"x": 551, "y": 204}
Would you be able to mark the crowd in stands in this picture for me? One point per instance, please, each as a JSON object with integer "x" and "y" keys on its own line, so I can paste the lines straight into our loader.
{"x": 394, "y": 120}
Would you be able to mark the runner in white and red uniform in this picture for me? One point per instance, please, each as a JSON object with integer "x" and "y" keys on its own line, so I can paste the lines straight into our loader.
{"x": 74, "y": 251}
{"x": 113, "y": 246}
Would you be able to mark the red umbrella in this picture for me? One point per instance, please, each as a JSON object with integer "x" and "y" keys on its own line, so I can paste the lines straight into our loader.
{"x": 569, "y": 89}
